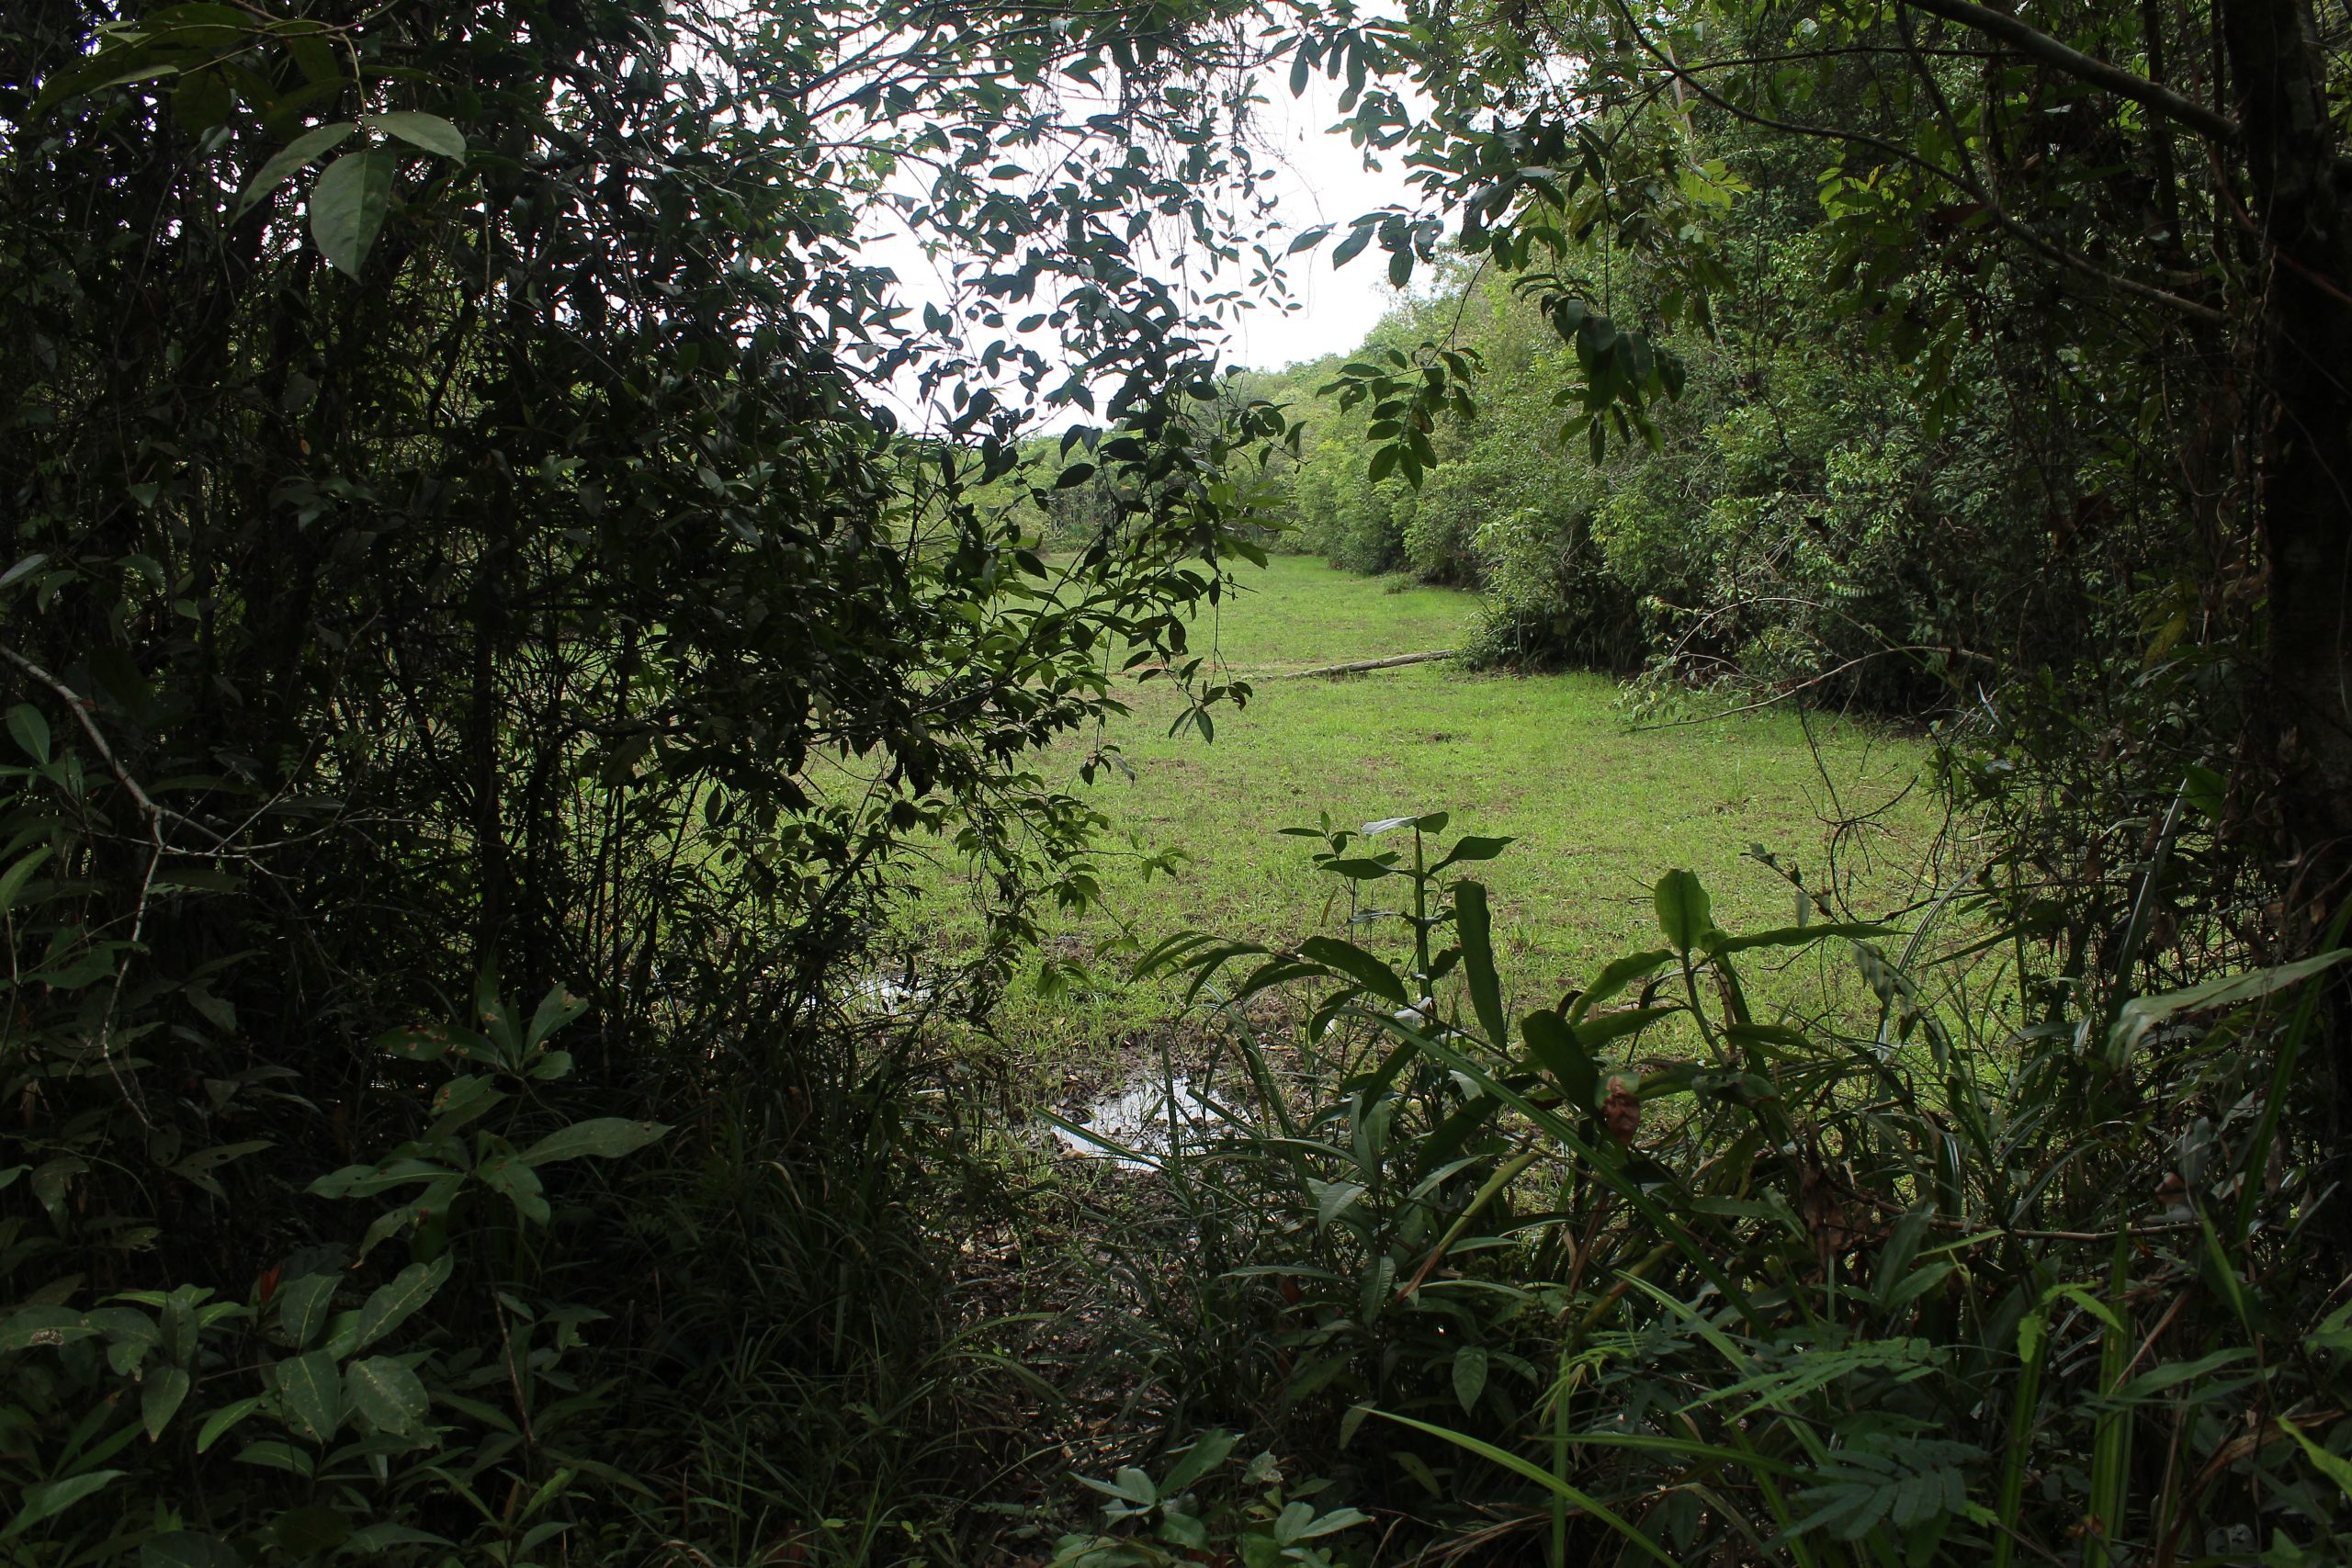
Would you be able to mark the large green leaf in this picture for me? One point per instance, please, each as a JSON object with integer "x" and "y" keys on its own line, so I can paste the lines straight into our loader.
{"x": 392, "y": 1303}
{"x": 50, "y": 1498}
{"x": 1615, "y": 976}
{"x": 222, "y": 1419}
{"x": 1473, "y": 923}
{"x": 507, "y": 1175}
{"x": 303, "y": 1306}
{"x": 29, "y": 1327}
{"x": 1796, "y": 936}
{"x": 348, "y": 205}
{"x": 1560, "y": 1053}
{"x": 1684, "y": 913}
{"x": 302, "y": 151}
{"x": 429, "y": 132}
{"x": 160, "y": 1395}
{"x": 1356, "y": 964}
{"x": 312, "y": 1386}
{"x": 604, "y": 1137}
{"x": 383, "y": 1390}
{"x": 2143, "y": 1013}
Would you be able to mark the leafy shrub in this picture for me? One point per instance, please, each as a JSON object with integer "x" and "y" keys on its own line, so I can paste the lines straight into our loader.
{"x": 1652, "y": 1271}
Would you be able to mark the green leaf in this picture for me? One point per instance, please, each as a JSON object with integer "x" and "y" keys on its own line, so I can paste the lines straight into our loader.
{"x": 300, "y": 152}
{"x": 2334, "y": 1466}
{"x": 392, "y": 1303}
{"x": 1350, "y": 247}
{"x": 2143, "y": 1013}
{"x": 1333, "y": 1199}
{"x": 508, "y": 1176}
{"x": 1208, "y": 1450}
{"x": 1473, "y": 923}
{"x": 348, "y": 207}
{"x": 1356, "y": 964}
{"x": 1543, "y": 1478}
{"x": 604, "y": 1137}
{"x": 12, "y": 880}
{"x": 1336, "y": 1520}
{"x": 302, "y": 1308}
{"x": 558, "y": 1007}
{"x": 429, "y": 132}
{"x": 1614, "y": 978}
{"x": 1684, "y": 913}
{"x": 45, "y": 1325}
{"x": 220, "y": 1420}
{"x": 1795, "y": 936}
{"x": 387, "y": 1392}
{"x": 160, "y": 1396}
{"x": 1129, "y": 1485}
{"x": 50, "y": 1498}
{"x": 1473, "y": 848}
{"x": 312, "y": 1386}
{"x": 30, "y": 730}
{"x": 1554, "y": 1044}
{"x": 271, "y": 1454}
{"x": 1469, "y": 1375}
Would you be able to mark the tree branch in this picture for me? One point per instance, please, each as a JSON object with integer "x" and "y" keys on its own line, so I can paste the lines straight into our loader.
{"x": 2038, "y": 45}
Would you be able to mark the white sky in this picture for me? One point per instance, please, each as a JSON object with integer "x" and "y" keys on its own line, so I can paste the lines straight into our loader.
{"x": 1321, "y": 178}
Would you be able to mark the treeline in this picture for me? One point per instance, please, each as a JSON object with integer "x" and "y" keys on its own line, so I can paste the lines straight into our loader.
{"x": 1809, "y": 515}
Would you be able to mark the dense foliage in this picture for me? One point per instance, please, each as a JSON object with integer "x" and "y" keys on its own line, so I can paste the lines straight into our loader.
{"x": 502, "y": 592}
{"x": 460, "y": 548}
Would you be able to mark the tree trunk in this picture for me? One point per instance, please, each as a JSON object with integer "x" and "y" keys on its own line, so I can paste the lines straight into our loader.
{"x": 2304, "y": 486}
{"x": 2303, "y": 494}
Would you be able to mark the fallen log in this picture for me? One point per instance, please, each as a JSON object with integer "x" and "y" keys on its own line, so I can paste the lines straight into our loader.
{"x": 1362, "y": 665}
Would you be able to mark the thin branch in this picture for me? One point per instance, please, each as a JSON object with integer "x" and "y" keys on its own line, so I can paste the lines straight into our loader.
{"x": 2038, "y": 45}
{"x": 1993, "y": 209}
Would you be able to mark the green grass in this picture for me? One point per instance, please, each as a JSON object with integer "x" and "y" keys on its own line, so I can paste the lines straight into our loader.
{"x": 1598, "y": 808}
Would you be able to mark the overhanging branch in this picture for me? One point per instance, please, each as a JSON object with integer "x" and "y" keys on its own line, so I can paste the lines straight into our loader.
{"x": 2040, "y": 46}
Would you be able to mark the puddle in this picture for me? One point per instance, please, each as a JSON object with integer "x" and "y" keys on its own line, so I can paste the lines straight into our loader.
{"x": 1136, "y": 1117}
{"x": 890, "y": 995}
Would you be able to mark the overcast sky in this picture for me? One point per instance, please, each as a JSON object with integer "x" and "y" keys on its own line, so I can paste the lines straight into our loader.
{"x": 1321, "y": 178}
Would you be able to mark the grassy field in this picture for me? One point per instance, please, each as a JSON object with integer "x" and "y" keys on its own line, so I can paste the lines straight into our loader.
{"x": 1598, "y": 808}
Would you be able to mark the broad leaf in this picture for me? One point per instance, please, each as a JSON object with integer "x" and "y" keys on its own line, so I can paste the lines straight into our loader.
{"x": 429, "y": 132}
{"x": 312, "y": 1386}
{"x": 302, "y": 151}
{"x": 348, "y": 205}
{"x": 1474, "y": 924}
{"x": 391, "y": 1305}
{"x": 50, "y": 1498}
{"x": 602, "y": 1137}
{"x": 1560, "y": 1053}
{"x": 1356, "y": 964}
{"x": 160, "y": 1395}
{"x": 303, "y": 1306}
{"x": 387, "y": 1394}
{"x": 1684, "y": 913}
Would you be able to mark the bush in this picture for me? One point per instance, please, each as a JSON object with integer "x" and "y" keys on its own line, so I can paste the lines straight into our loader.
{"x": 1652, "y": 1271}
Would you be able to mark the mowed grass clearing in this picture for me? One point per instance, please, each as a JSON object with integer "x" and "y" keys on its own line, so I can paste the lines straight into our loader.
{"x": 1598, "y": 808}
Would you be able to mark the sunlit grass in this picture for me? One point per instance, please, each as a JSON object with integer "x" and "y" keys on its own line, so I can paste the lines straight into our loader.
{"x": 1598, "y": 808}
